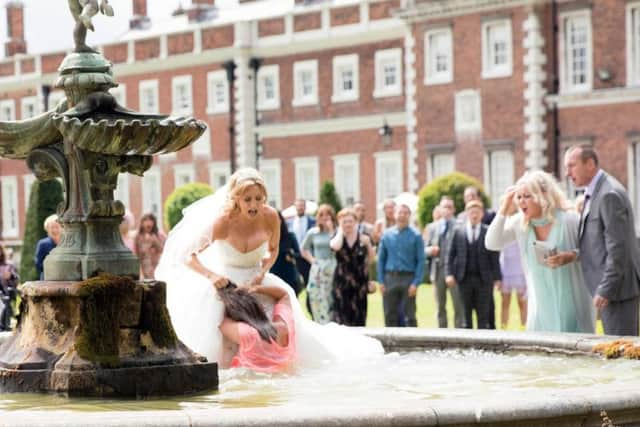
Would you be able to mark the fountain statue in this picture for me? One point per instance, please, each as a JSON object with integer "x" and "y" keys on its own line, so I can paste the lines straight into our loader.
{"x": 89, "y": 328}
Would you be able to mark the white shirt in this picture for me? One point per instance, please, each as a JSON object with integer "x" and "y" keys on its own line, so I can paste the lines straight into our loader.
{"x": 300, "y": 225}
{"x": 473, "y": 231}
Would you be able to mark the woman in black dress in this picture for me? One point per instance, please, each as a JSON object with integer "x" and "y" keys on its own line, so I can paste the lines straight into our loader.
{"x": 288, "y": 250}
{"x": 354, "y": 252}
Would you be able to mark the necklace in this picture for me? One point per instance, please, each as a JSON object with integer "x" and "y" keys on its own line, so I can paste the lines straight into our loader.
{"x": 539, "y": 222}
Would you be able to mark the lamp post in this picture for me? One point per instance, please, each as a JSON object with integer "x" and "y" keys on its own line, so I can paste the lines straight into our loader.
{"x": 230, "y": 66}
{"x": 385, "y": 133}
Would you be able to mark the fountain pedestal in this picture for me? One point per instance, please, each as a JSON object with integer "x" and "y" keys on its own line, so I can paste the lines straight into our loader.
{"x": 83, "y": 332}
{"x": 107, "y": 336}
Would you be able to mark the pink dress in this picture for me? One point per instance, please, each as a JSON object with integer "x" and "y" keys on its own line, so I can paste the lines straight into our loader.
{"x": 256, "y": 354}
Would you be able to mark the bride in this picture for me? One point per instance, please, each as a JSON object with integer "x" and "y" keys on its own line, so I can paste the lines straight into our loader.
{"x": 233, "y": 235}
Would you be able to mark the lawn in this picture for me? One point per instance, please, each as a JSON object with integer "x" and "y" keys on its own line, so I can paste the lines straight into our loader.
{"x": 426, "y": 307}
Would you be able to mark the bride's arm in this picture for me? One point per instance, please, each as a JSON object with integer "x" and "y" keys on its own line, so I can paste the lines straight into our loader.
{"x": 219, "y": 232}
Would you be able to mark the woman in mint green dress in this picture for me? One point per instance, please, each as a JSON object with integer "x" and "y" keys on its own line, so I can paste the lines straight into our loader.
{"x": 315, "y": 249}
{"x": 557, "y": 297}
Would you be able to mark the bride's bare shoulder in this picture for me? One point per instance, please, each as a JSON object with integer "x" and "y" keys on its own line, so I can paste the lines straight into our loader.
{"x": 271, "y": 214}
{"x": 221, "y": 227}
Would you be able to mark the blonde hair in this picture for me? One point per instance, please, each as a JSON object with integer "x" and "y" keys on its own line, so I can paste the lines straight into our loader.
{"x": 240, "y": 182}
{"x": 325, "y": 208}
{"x": 48, "y": 222}
{"x": 545, "y": 191}
{"x": 346, "y": 212}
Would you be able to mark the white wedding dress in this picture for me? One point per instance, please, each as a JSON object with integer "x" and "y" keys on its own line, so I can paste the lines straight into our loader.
{"x": 196, "y": 311}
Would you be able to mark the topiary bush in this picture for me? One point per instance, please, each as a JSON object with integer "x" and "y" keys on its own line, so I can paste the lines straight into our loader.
{"x": 43, "y": 201}
{"x": 451, "y": 185}
{"x": 329, "y": 195}
{"x": 182, "y": 197}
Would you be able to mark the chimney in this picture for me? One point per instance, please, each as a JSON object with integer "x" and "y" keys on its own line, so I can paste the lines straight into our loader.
{"x": 15, "y": 29}
{"x": 139, "y": 20}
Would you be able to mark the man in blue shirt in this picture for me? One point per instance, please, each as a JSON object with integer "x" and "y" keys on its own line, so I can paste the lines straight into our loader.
{"x": 400, "y": 268}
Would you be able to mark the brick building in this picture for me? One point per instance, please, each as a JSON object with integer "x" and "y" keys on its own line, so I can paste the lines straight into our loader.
{"x": 378, "y": 95}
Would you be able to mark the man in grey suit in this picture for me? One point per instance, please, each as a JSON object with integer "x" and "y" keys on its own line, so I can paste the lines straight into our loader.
{"x": 609, "y": 251}
{"x": 438, "y": 251}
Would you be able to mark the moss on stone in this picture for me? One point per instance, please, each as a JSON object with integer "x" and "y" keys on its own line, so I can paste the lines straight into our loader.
{"x": 157, "y": 320}
{"x": 99, "y": 333}
{"x": 617, "y": 348}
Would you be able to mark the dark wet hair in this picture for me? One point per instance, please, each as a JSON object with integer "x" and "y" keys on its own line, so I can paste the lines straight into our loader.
{"x": 3, "y": 255}
{"x": 241, "y": 306}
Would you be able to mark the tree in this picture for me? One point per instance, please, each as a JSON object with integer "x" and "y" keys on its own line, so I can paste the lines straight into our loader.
{"x": 451, "y": 185}
{"x": 329, "y": 196}
{"x": 43, "y": 201}
{"x": 182, "y": 197}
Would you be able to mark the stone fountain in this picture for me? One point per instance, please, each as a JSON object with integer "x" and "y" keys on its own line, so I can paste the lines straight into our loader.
{"x": 90, "y": 328}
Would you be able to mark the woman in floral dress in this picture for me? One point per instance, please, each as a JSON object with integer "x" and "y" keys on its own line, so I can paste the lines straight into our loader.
{"x": 315, "y": 249}
{"x": 354, "y": 251}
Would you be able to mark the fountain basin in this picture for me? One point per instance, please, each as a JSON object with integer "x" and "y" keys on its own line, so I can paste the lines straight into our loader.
{"x": 451, "y": 377}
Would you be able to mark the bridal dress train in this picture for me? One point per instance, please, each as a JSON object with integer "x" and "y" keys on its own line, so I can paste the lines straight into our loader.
{"x": 196, "y": 311}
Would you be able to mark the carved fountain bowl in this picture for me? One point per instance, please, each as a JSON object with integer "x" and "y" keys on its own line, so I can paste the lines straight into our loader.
{"x": 116, "y": 134}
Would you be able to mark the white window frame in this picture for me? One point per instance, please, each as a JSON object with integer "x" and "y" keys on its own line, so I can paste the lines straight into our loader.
{"x": 633, "y": 43}
{"x": 202, "y": 146}
{"x": 215, "y": 80}
{"x": 271, "y": 169}
{"x": 10, "y": 209}
{"x": 216, "y": 171}
{"x": 8, "y": 105}
{"x": 431, "y": 76}
{"x": 120, "y": 93}
{"x": 177, "y": 107}
{"x": 566, "y": 84}
{"x": 299, "y": 99}
{"x": 489, "y": 69}
{"x": 496, "y": 182}
{"x": 381, "y": 59}
{"x": 634, "y": 181}
{"x": 383, "y": 160}
{"x": 341, "y": 182}
{"x": 25, "y": 103}
{"x": 472, "y": 97}
{"x": 307, "y": 169}
{"x": 55, "y": 97}
{"x": 27, "y": 182}
{"x": 149, "y": 85}
{"x": 152, "y": 193}
{"x": 345, "y": 63}
{"x": 433, "y": 171}
{"x": 265, "y": 72}
{"x": 183, "y": 173}
{"x": 122, "y": 190}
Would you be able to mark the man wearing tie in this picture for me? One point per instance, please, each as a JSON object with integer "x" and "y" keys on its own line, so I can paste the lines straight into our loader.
{"x": 299, "y": 225}
{"x": 438, "y": 250}
{"x": 473, "y": 268}
{"x": 608, "y": 252}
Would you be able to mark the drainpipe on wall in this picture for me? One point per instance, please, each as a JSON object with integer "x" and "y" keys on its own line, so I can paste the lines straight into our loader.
{"x": 230, "y": 66}
{"x": 555, "y": 136}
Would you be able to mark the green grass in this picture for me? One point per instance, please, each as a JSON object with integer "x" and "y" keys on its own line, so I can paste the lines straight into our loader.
{"x": 426, "y": 310}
